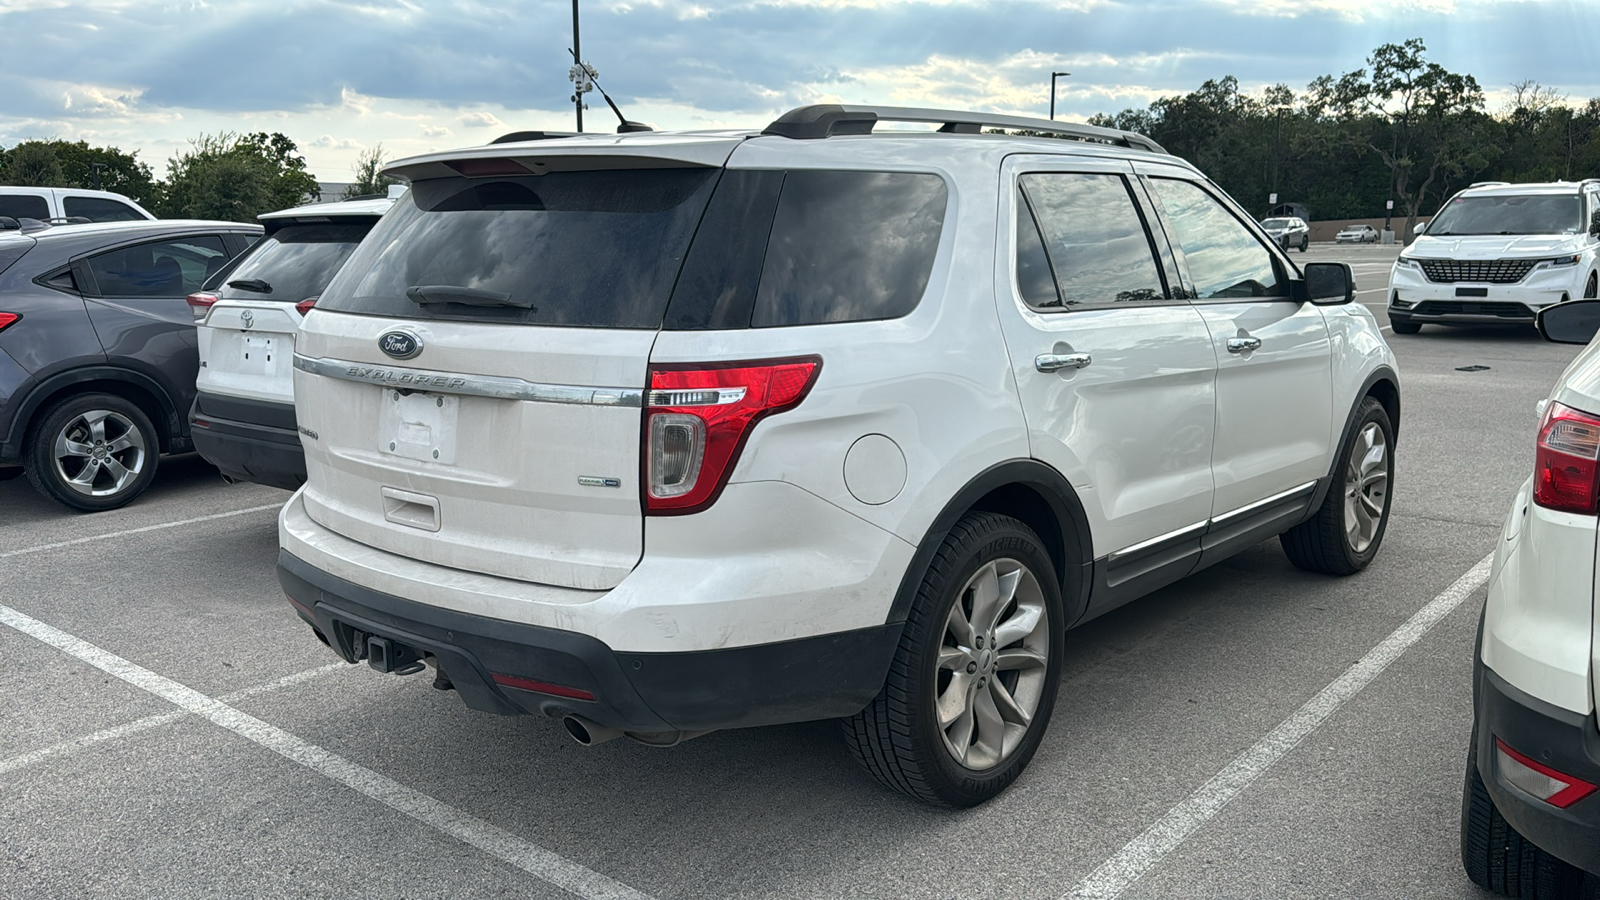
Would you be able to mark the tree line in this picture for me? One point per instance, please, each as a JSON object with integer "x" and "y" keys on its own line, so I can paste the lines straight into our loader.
{"x": 228, "y": 176}
{"x": 1402, "y": 128}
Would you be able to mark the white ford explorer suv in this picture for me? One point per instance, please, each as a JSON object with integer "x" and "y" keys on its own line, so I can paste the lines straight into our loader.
{"x": 1496, "y": 254}
{"x": 659, "y": 434}
{"x": 1530, "y": 816}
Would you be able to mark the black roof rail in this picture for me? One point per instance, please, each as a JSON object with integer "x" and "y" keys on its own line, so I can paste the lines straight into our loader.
{"x": 831, "y": 119}
{"x": 519, "y": 136}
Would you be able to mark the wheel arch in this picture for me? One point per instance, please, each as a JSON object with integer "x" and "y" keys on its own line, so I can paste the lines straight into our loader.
{"x": 138, "y": 389}
{"x": 1381, "y": 384}
{"x": 1037, "y": 495}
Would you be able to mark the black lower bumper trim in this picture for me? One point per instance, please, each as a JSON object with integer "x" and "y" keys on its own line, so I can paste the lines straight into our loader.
{"x": 1564, "y": 741}
{"x": 249, "y": 450}
{"x": 793, "y": 681}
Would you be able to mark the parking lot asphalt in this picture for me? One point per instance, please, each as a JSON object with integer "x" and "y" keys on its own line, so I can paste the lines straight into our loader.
{"x": 171, "y": 729}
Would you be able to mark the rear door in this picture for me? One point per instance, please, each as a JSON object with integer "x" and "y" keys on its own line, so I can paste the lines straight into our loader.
{"x": 1274, "y": 364}
{"x": 469, "y": 387}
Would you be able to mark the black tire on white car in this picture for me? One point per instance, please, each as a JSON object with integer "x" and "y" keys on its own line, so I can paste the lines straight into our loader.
{"x": 1500, "y": 860}
{"x": 1344, "y": 535}
{"x": 1592, "y": 289}
{"x": 969, "y": 693}
{"x": 92, "y": 452}
{"x": 1402, "y": 327}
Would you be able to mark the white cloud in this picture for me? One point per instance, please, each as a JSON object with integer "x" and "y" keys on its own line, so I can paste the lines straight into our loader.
{"x": 328, "y": 141}
{"x": 481, "y": 119}
{"x": 435, "y": 131}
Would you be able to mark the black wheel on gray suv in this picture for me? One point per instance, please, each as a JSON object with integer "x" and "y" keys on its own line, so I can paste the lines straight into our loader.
{"x": 969, "y": 694}
{"x": 1500, "y": 860}
{"x": 1343, "y": 537}
{"x": 93, "y": 452}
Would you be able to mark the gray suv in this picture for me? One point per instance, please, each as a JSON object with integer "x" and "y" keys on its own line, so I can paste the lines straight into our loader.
{"x": 97, "y": 350}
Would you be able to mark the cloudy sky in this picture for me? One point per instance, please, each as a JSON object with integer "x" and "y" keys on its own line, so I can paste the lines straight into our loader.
{"x": 338, "y": 76}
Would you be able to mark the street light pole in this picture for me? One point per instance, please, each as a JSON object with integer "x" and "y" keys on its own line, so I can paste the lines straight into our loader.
{"x": 1053, "y": 77}
{"x": 577, "y": 53}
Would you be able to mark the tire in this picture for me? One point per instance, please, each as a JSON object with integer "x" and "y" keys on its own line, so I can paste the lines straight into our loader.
{"x": 1592, "y": 288}
{"x": 1305, "y": 243}
{"x": 1403, "y": 327}
{"x": 66, "y": 464}
{"x": 1345, "y": 534}
{"x": 1500, "y": 860}
{"x": 899, "y": 738}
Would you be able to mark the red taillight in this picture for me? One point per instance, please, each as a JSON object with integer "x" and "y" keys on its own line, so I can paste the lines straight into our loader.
{"x": 8, "y": 319}
{"x": 541, "y": 687}
{"x": 201, "y": 301}
{"x": 1565, "y": 469}
{"x": 697, "y": 418}
{"x": 304, "y": 306}
{"x": 1555, "y": 788}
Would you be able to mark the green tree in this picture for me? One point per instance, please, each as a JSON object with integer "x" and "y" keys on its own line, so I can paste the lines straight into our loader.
{"x": 369, "y": 175}
{"x": 33, "y": 164}
{"x": 235, "y": 177}
{"x": 120, "y": 172}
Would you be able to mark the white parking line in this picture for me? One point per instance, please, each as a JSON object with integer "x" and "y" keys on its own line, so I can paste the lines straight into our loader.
{"x": 1136, "y": 857}
{"x": 148, "y": 722}
{"x": 493, "y": 840}
{"x": 116, "y": 534}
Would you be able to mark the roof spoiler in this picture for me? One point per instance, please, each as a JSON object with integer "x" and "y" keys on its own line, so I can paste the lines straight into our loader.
{"x": 831, "y": 120}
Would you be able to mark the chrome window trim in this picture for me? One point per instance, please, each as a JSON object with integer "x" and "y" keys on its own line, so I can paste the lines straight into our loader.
{"x": 494, "y": 386}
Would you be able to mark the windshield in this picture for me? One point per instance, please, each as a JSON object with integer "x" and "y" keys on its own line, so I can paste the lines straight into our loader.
{"x": 294, "y": 262}
{"x": 590, "y": 249}
{"x": 1509, "y": 214}
{"x": 1275, "y": 223}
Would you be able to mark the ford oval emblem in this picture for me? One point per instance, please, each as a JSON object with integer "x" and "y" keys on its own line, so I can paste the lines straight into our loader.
{"x": 400, "y": 344}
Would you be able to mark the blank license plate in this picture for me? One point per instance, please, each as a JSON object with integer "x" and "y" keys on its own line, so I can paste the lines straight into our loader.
{"x": 419, "y": 426}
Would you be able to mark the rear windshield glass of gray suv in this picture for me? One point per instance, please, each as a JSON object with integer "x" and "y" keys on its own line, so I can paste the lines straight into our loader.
{"x": 808, "y": 247}
{"x": 1510, "y": 214}
{"x": 296, "y": 261}
{"x": 598, "y": 249}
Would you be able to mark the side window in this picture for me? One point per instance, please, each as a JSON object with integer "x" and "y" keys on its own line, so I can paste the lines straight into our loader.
{"x": 849, "y": 247}
{"x": 100, "y": 209}
{"x": 1224, "y": 258}
{"x": 169, "y": 268}
{"x": 24, "y": 206}
{"x": 1094, "y": 243}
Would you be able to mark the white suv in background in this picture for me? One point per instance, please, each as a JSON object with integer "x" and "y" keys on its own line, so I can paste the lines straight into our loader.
{"x": 660, "y": 434}
{"x": 242, "y": 419}
{"x": 1530, "y": 809}
{"x": 46, "y": 204}
{"x": 1496, "y": 254}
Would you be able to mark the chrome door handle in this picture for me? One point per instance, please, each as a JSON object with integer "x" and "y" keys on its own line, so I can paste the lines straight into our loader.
{"x": 1055, "y": 362}
{"x": 1241, "y": 344}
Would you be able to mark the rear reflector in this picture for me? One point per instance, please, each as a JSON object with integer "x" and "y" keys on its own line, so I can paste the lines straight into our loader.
{"x": 698, "y": 417}
{"x": 304, "y": 306}
{"x": 1555, "y": 788}
{"x": 201, "y": 301}
{"x": 1565, "y": 469}
{"x": 540, "y": 687}
{"x": 8, "y": 319}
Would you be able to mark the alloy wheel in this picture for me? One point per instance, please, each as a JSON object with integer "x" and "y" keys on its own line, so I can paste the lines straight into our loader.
{"x": 99, "y": 453}
{"x": 992, "y": 664}
{"x": 1366, "y": 487}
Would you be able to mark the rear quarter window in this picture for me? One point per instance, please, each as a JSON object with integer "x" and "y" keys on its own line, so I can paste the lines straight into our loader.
{"x": 99, "y": 209}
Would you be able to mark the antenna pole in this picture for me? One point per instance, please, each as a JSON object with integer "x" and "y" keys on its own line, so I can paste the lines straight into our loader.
{"x": 577, "y": 52}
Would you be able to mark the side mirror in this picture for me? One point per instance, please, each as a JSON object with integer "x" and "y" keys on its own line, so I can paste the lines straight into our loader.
{"x": 1329, "y": 284}
{"x": 1420, "y": 228}
{"x": 1573, "y": 322}
{"x": 1594, "y": 223}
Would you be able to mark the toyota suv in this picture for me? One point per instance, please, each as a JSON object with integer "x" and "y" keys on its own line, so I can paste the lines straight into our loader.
{"x": 243, "y": 413}
{"x": 1497, "y": 253}
{"x": 658, "y": 434}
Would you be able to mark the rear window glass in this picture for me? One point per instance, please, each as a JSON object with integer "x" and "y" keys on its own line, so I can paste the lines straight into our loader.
{"x": 295, "y": 262}
{"x": 806, "y": 247}
{"x": 592, "y": 249}
{"x": 24, "y": 206}
{"x": 99, "y": 209}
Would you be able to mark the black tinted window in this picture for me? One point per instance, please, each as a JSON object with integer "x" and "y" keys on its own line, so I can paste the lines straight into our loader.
{"x": 169, "y": 268}
{"x": 1096, "y": 241}
{"x": 849, "y": 246}
{"x": 294, "y": 262}
{"x": 99, "y": 209}
{"x": 593, "y": 249}
{"x": 24, "y": 206}
{"x": 717, "y": 289}
{"x": 1224, "y": 259}
{"x": 1034, "y": 278}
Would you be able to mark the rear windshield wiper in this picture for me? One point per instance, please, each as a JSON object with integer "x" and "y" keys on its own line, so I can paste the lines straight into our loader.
{"x": 253, "y": 285}
{"x": 426, "y": 294}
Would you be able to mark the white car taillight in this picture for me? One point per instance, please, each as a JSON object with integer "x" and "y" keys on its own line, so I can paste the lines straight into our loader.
{"x": 697, "y": 418}
{"x": 1565, "y": 468}
{"x": 1555, "y": 788}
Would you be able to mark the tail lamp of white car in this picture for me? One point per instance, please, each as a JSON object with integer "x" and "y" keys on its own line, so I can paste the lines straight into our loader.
{"x": 1566, "y": 471}
{"x": 697, "y": 418}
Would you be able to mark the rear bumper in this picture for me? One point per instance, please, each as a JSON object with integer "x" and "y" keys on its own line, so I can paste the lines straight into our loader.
{"x": 249, "y": 440}
{"x": 793, "y": 681}
{"x": 1561, "y": 739}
